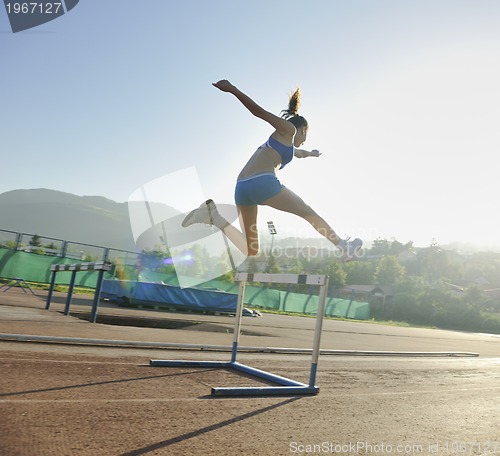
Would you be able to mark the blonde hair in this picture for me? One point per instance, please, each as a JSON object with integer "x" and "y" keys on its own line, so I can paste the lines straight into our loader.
{"x": 292, "y": 113}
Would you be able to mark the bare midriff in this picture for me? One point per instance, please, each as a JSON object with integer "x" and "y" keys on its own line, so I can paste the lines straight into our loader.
{"x": 264, "y": 160}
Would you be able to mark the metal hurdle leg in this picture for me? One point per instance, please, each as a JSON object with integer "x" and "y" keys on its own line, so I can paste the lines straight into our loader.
{"x": 97, "y": 297}
{"x": 285, "y": 386}
{"x": 317, "y": 332}
{"x": 237, "y": 325}
{"x": 51, "y": 289}
{"x": 70, "y": 293}
{"x": 214, "y": 364}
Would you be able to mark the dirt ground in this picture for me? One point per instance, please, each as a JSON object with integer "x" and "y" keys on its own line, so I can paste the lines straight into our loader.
{"x": 64, "y": 399}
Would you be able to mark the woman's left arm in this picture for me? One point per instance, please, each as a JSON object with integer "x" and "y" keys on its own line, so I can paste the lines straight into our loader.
{"x": 302, "y": 153}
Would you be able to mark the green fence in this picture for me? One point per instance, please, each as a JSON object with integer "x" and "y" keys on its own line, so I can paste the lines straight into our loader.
{"x": 33, "y": 267}
{"x": 286, "y": 301}
{"x": 36, "y": 268}
{"x": 277, "y": 300}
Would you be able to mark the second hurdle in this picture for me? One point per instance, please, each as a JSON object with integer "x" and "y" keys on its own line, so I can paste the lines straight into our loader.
{"x": 99, "y": 266}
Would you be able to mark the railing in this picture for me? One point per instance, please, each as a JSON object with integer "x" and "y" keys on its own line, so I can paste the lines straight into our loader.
{"x": 63, "y": 248}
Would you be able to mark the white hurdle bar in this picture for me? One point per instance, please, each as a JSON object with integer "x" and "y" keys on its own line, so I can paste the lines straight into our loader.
{"x": 285, "y": 386}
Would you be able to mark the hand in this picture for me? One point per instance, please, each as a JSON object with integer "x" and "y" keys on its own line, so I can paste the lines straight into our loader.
{"x": 314, "y": 153}
{"x": 224, "y": 85}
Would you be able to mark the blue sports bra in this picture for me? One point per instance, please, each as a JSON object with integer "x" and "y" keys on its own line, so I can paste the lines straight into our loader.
{"x": 286, "y": 152}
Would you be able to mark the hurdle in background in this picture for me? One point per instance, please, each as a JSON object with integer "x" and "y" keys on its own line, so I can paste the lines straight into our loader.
{"x": 100, "y": 266}
{"x": 285, "y": 386}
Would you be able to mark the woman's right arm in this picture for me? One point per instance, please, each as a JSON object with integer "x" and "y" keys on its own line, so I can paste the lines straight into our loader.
{"x": 281, "y": 125}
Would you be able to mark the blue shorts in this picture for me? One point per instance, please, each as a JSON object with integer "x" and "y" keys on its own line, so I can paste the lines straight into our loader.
{"x": 256, "y": 189}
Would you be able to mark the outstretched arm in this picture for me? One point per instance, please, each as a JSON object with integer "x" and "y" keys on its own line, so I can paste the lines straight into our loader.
{"x": 302, "y": 153}
{"x": 281, "y": 125}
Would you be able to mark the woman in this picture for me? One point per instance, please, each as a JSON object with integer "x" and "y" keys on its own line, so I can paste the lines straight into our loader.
{"x": 257, "y": 183}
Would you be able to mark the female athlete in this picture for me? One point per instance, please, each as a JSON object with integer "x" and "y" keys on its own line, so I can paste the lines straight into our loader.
{"x": 257, "y": 183}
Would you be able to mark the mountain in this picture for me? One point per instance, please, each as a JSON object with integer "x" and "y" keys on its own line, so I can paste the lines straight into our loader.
{"x": 100, "y": 221}
{"x": 54, "y": 214}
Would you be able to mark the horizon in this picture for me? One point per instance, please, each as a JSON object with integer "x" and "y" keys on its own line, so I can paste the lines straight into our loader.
{"x": 309, "y": 235}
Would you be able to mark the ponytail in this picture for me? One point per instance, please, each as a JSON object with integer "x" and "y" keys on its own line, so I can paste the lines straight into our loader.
{"x": 293, "y": 105}
{"x": 292, "y": 113}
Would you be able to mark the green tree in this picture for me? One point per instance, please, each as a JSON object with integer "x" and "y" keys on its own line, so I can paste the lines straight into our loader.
{"x": 197, "y": 262}
{"x": 35, "y": 241}
{"x": 222, "y": 266}
{"x": 227, "y": 277}
{"x": 295, "y": 266}
{"x": 385, "y": 247}
{"x": 388, "y": 271}
{"x": 156, "y": 260}
{"x": 272, "y": 265}
{"x": 336, "y": 274}
{"x": 431, "y": 303}
{"x": 51, "y": 249}
{"x": 474, "y": 297}
{"x": 10, "y": 244}
{"x": 434, "y": 263}
{"x": 360, "y": 272}
{"x": 380, "y": 247}
{"x": 404, "y": 307}
{"x": 406, "y": 284}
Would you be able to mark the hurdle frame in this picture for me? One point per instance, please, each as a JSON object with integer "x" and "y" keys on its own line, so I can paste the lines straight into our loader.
{"x": 285, "y": 386}
{"x": 17, "y": 281}
{"x": 99, "y": 266}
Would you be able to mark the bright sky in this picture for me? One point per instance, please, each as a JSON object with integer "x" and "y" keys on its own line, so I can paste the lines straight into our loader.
{"x": 402, "y": 98}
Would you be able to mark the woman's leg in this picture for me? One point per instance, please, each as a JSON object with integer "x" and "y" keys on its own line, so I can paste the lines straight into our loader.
{"x": 288, "y": 201}
{"x": 248, "y": 222}
{"x": 247, "y": 241}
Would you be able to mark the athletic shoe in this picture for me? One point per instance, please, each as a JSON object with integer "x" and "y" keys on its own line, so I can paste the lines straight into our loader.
{"x": 204, "y": 214}
{"x": 350, "y": 249}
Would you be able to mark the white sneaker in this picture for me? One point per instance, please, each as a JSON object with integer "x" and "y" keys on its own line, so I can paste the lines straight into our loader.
{"x": 350, "y": 249}
{"x": 206, "y": 214}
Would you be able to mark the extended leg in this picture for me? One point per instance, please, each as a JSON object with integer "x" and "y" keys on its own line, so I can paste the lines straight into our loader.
{"x": 288, "y": 201}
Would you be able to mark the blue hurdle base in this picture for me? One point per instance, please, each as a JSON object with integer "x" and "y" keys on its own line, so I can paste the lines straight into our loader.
{"x": 266, "y": 391}
{"x": 287, "y": 387}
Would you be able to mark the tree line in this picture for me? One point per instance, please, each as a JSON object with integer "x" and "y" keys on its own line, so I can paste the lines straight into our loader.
{"x": 429, "y": 286}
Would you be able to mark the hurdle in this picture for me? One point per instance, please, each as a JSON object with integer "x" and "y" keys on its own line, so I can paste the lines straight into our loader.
{"x": 285, "y": 386}
{"x": 100, "y": 266}
{"x": 17, "y": 281}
